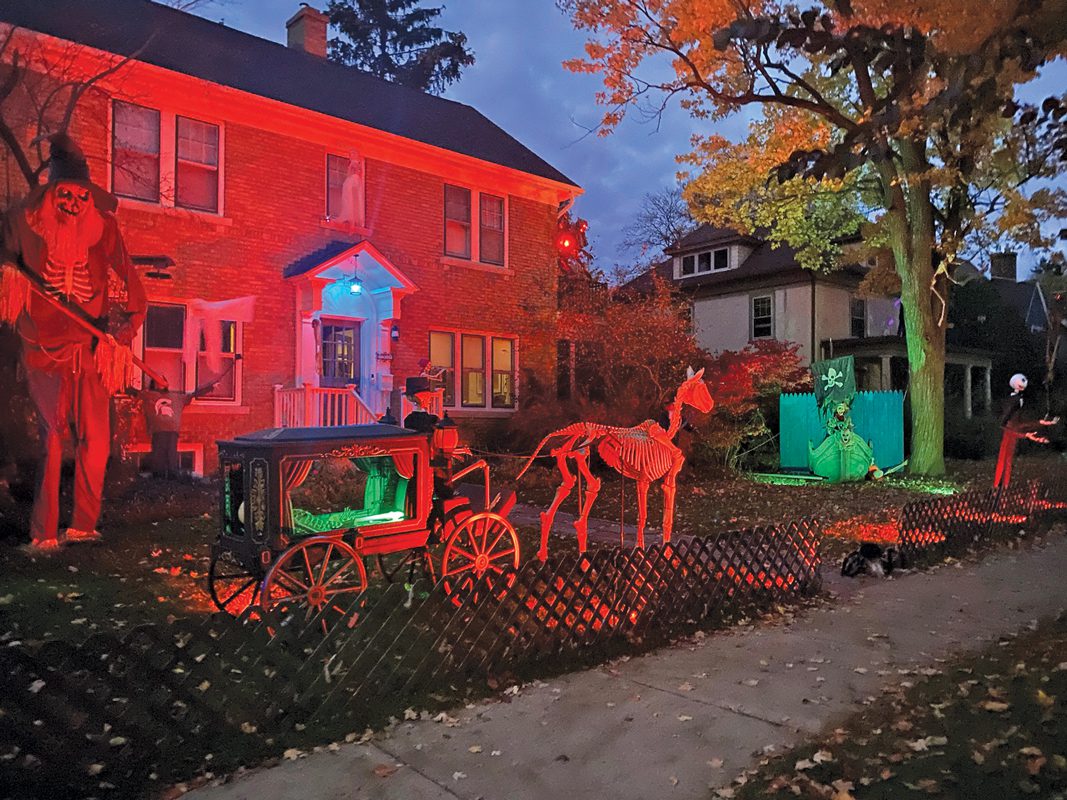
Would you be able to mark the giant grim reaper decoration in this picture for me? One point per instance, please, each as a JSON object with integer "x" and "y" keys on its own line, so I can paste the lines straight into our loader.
{"x": 644, "y": 453}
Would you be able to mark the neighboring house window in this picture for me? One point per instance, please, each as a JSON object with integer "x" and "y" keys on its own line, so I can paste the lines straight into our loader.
{"x": 135, "y": 151}
{"x": 336, "y": 172}
{"x": 340, "y": 354}
{"x": 443, "y": 356}
{"x": 162, "y": 348}
{"x": 457, "y": 222}
{"x": 491, "y": 232}
{"x": 857, "y": 312}
{"x": 484, "y": 361}
{"x": 708, "y": 261}
{"x": 762, "y": 317}
{"x": 196, "y": 168}
{"x": 485, "y": 242}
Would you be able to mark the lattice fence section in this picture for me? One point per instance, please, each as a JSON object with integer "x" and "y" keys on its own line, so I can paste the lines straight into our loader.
{"x": 932, "y": 530}
{"x": 124, "y": 714}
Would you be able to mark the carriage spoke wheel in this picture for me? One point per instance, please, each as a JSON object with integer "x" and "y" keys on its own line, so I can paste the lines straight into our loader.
{"x": 407, "y": 566}
{"x": 484, "y": 544}
{"x": 323, "y": 575}
{"x": 232, "y": 585}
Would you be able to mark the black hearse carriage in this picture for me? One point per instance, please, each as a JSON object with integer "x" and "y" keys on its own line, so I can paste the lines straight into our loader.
{"x": 303, "y": 507}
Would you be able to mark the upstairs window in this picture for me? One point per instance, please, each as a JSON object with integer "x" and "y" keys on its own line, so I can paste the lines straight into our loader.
{"x": 857, "y": 312}
{"x": 457, "y": 222}
{"x": 475, "y": 226}
{"x": 689, "y": 265}
{"x": 196, "y": 170}
{"x": 491, "y": 232}
{"x": 762, "y": 317}
{"x": 135, "y": 151}
{"x": 336, "y": 172}
{"x": 705, "y": 262}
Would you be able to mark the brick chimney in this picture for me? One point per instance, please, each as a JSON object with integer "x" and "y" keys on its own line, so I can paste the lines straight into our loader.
{"x": 1002, "y": 267}
{"x": 306, "y": 31}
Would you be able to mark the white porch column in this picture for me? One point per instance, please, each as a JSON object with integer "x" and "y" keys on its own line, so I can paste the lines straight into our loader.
{"x": 987, "y": 389}
{"x": 887, "y": 374}
{"x": 967, "y": 403}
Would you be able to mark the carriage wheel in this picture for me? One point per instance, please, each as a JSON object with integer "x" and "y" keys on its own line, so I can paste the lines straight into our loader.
{"x": 483, "y": 544}
{"x": 406, "y": 566}
{"x": 233, "y": 586}
{"x": 321, "y": 573}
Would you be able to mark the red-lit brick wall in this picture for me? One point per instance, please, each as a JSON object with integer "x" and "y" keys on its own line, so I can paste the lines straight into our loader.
{"x": 274, "y": 203}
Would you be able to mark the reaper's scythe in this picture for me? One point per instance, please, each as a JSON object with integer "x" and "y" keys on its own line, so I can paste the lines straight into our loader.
{"x": 79, "y": 317}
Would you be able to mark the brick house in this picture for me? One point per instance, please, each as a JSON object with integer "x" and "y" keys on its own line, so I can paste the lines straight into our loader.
{"x": 374, "y": 225}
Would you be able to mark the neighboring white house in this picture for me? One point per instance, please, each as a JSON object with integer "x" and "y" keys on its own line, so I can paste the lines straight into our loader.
{"x": 742, "y": 289}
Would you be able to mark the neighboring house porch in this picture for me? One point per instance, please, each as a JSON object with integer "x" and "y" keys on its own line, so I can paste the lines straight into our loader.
{"x": 882, "y": 363}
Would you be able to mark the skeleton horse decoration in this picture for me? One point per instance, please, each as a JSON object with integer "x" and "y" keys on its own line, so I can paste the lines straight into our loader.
{"x": 644, "y": 453}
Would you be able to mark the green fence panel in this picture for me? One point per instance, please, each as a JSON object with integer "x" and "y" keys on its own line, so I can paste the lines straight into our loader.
{"x": 878, "y": 417}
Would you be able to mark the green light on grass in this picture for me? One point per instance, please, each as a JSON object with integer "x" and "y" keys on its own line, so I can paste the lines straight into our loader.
{"x": 779, "y": 479}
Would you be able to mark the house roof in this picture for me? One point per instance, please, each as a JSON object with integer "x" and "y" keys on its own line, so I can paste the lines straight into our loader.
{"x": 1020, "y": 297}
{"x": 766, "y": 262}
{"x": 185, "y": 43}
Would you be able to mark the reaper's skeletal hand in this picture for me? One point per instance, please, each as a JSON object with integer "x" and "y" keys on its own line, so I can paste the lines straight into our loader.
{"x": 1033, "y": 437}
{"x": 1047, "y": 421}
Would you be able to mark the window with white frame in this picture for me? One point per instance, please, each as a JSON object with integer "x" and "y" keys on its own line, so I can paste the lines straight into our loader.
{"x": 162, "y": 348}
{"x": 336, "y": 172}
{"x": 487, "y": 369}
{"x": 165, "y": 158}
{"x": 196, "y": 166}
{"x": 484, "y": 242}
{"x": 857, "y": 313}
{"x": 762, "y": 317}
{"x": 707, "y": 261}
{"x": 135, "y": 151}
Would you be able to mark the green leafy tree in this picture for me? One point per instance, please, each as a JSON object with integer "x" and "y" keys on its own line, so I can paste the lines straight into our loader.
{"x": 897, "y": 104}
{"x": 398, "y": 41}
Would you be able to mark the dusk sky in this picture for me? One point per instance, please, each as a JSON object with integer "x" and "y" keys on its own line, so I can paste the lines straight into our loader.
{"x": 518, "y": 82}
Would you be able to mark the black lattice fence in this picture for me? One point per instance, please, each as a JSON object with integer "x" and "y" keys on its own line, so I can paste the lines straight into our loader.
{"x": 955, "y": 525}
{"x": 122, "y": 714}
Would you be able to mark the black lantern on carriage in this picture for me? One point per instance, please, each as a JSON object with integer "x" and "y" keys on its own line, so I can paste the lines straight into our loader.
{"x": 446, "y": 437}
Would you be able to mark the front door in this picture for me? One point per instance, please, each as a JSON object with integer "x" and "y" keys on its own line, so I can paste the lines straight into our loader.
{"x": 340, "y": 354}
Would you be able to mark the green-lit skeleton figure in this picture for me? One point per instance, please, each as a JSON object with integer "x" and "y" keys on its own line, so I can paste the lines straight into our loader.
{"x": 842, "y": 455}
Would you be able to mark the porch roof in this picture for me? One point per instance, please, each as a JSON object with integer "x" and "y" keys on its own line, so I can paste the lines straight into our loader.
{"x": 896, "y": 347}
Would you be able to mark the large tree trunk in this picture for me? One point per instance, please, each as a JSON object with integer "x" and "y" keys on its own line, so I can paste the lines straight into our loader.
{"x": 911, "y": 229}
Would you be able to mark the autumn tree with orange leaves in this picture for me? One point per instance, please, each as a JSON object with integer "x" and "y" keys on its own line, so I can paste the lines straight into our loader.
{"x": 897, "y": 117}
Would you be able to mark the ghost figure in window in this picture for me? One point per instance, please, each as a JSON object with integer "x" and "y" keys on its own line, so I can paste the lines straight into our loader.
{"x": 352, "y": 193}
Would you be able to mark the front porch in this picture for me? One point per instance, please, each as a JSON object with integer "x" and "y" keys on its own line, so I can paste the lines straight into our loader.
{"x": 882, "y": 364}
{"x": 348, "y": 299}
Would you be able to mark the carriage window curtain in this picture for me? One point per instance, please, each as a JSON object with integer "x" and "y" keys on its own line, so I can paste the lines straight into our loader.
{"x": 294, "y": 473}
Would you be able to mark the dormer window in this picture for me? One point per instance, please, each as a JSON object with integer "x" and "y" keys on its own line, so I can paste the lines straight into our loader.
{"x": 702, "y": 263}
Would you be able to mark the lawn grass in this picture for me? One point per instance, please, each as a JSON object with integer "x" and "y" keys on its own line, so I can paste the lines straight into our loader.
{"x": 990, "y": 725}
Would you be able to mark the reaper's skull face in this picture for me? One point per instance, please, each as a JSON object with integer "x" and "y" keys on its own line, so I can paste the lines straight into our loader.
{"x": 72, "y": 199}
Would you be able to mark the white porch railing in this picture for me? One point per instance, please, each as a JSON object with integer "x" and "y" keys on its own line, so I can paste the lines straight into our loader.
{"x": 311, "y": 406}
{"x": 436, "y": 405}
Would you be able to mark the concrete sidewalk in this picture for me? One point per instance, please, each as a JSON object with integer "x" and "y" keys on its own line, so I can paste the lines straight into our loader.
{"x": 687, "y": 718}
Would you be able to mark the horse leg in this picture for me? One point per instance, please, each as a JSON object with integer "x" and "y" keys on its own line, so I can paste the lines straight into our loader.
{"x": 670, "y": 489}
{"x": 642, "y": 509}
{"x": 561, "y": 454}
{"x": 592, "y": 488}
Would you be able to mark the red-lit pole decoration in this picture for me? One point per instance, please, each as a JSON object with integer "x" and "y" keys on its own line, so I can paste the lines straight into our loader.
{"x": 644, "y": 453}
{"x": 66, "y": 237}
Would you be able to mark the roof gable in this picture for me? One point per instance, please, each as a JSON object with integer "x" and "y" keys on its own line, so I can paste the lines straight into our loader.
{"x": 191, "y": 45}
